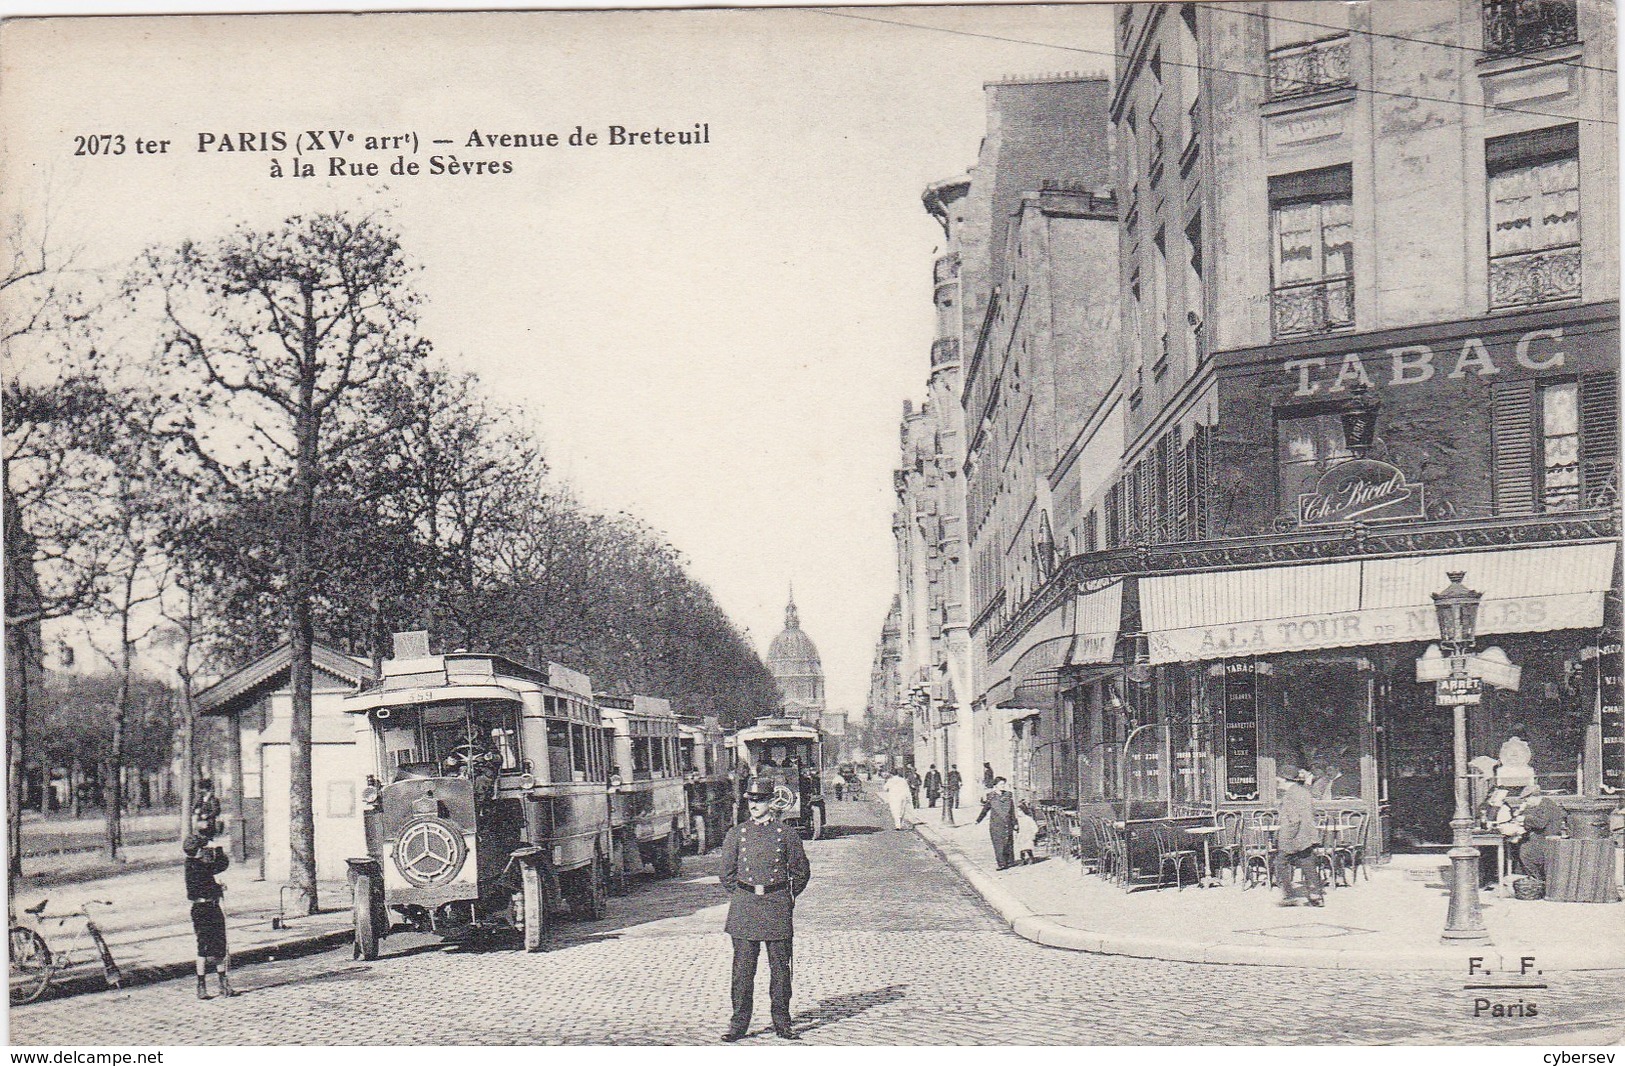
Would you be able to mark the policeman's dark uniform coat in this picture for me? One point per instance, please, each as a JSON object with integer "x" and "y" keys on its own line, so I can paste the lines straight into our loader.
{"x": 764, "y": 869}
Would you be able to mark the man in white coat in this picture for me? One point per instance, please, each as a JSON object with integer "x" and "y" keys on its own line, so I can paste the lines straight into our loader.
{"x": 900, "y": 801}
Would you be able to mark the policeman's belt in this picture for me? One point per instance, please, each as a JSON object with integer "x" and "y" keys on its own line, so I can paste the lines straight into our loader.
{"x": 762, "y": 890}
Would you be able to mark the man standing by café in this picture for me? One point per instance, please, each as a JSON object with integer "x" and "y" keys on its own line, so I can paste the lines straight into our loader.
{"x": 764, "y": 869}
{"x": 950, "y": 793}
{"x": 933, "y": 785}
{"x": 1297, "y": 838}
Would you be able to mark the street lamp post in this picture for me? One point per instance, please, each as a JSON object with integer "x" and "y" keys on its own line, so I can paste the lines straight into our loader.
{"x": 1457, "y": 607}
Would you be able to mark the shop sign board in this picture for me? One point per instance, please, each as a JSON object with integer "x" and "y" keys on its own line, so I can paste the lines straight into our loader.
{"x": 1361, "y": 490}
{"x": 1612, "y": 700}
{"x": 1382, "y": 625}
{"x": 1240, "y": 731}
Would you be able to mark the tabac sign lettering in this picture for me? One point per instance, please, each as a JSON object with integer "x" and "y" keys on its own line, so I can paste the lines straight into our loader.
{"x": 1364, "y": 490}
{"x": 1413, "y": 364}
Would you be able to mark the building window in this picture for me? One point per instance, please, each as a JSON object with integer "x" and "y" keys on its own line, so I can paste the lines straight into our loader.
{"x": 1309, "y": 48}
{"x": 1312, "y": 251}
{"x": 1306, "y": 445}
{"x": 1555, "y": 444}
{"x": 1515, "y": 26}
{"x": 1560, "y": 446}
{"x": 1534, "y": 216}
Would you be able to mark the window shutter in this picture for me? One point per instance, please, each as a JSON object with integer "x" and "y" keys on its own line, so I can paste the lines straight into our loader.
{"x": 1179, "y": 475}
{"x": 1201, "y": 503}
{"x": 1599, "y": 439}
{"x": 1513, "y": 447}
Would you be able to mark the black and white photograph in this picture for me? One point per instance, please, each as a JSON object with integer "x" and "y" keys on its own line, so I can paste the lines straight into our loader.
{"x": 878, "y": 526}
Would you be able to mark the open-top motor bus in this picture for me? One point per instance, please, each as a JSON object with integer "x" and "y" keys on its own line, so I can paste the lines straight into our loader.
{"x": 484, "y": 806}
{"x": 788, "y": 753}
{"x": 706, "y": 760}
{"x": 648, "y": 811}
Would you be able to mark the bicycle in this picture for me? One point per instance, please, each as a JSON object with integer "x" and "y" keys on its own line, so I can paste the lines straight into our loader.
{"x": 34, "y": 965}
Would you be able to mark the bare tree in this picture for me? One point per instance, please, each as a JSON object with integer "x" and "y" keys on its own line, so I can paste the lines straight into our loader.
{"x": 46, "y": 407}
{"x": 277, "y": 338}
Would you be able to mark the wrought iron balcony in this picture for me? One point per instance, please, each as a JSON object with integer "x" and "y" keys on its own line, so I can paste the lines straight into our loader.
{"x": 1515, "y": 26}
{"x": 1538, "y": 277}
{"x": 1313, "y": 307}
{"x": 944, "y": 350}
{"x": 946, "y": 268}
{"x": 1302, "y": 69}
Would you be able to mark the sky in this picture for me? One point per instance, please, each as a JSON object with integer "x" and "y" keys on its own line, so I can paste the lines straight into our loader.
{"x": 717, "y": 338}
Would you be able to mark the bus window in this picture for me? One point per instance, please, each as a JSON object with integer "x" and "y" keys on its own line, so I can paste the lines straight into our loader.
{"x": 578, "y": 751}
{"x": 558, "y": 751}
{"x": 640, "y": 757}
{"x": 657, "y": 755}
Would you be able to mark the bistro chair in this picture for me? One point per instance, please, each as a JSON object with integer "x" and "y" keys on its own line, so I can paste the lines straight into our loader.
{"x": 1071, "y": 834}
{"x": 1089, "y": 849}
{"x": 1170, "y": 852}
{"x": 1348, "y": 846}
{"x": 1258, "y": 849}
{"x": 1225, "y": 847}
{"x": 1113, "y": 852}
{"x": 1054, "y": 831}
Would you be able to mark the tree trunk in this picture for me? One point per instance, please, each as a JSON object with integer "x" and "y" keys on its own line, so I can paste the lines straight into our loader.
{"x": 22, "y": 600}
{"x": 189, "y": 772}
{"x": 301, "y": 634}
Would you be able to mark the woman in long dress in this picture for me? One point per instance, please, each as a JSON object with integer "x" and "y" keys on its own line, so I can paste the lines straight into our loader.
{"x": 899, "y": 800}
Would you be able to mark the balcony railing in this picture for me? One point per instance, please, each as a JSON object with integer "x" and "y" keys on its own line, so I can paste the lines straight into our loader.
{"x": 944, "y": 350}
{"x": 946, "y": 268}
{"x": 1309, "y": 68}
{"x": 1515, "y": 26}
{"x": 1538, "y": 277}
{"x": 1313, "y": 307}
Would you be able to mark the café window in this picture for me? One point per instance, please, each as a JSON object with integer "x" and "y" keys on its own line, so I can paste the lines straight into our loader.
{"x": 1312, "y": 251}
{"x": 1534, "y": 217}
{"x": 1306, "y": 445}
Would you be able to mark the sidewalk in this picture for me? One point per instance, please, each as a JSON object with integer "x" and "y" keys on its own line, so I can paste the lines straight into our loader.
{"x": 1391, "y": 922}
{"x": 149, "y": 925}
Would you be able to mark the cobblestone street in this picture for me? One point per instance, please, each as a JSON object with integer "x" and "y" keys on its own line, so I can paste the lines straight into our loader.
{"x": 891, "y": 949}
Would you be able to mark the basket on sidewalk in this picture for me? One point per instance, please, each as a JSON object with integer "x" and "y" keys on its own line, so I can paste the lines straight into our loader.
{"x": 1529, "y": 888}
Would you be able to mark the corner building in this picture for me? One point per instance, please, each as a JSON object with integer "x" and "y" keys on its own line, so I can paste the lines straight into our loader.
{"x": 1368, "y": 257}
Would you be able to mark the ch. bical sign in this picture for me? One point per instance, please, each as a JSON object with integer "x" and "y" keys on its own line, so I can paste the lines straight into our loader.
{"x": 1460, "y": 691}
{"x": 1365, "y": 490}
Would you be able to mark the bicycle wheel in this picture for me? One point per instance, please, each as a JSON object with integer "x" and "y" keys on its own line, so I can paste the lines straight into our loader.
{"x": 30, "y": 965}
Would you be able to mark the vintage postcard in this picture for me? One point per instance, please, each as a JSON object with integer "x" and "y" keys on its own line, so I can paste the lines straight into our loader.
{"x": 1074, "y": 524}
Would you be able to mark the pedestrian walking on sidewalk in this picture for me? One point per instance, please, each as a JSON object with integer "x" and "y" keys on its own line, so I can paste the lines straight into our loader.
{"x": 1026, "y": 842}
{"x": 950, "y": 793}
{"x": 208, "y": 920}
{"x": 933, "y": 785}
{"x": 764, "y": 869}
{"x": 987, "y": 775}
{"x": 1297, "y": 838}
{"x": 899, "y": 799}
{"x": 1001, "y": 806}
{"x": 913, "y": 785}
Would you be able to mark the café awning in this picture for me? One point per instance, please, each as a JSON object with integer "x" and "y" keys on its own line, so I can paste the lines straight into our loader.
{"x": 1268, "y": 610}
{"x": 1037, "y": 674}
{"x": 1098, "y": 617}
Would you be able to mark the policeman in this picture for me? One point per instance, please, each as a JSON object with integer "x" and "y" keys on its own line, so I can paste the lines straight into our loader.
{"x": 764, "y": 869}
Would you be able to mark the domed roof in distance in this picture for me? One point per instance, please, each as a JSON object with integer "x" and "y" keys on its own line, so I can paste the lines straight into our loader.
{"x": 792, "y": 651}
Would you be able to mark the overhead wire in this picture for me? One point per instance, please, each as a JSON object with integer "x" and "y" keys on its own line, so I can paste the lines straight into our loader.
{"x": 1363, "y": 90}
{"x": 1484, "y": 52}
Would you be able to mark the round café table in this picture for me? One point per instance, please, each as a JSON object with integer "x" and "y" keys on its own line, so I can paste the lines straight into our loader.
{"x": 1206, "y": 832}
